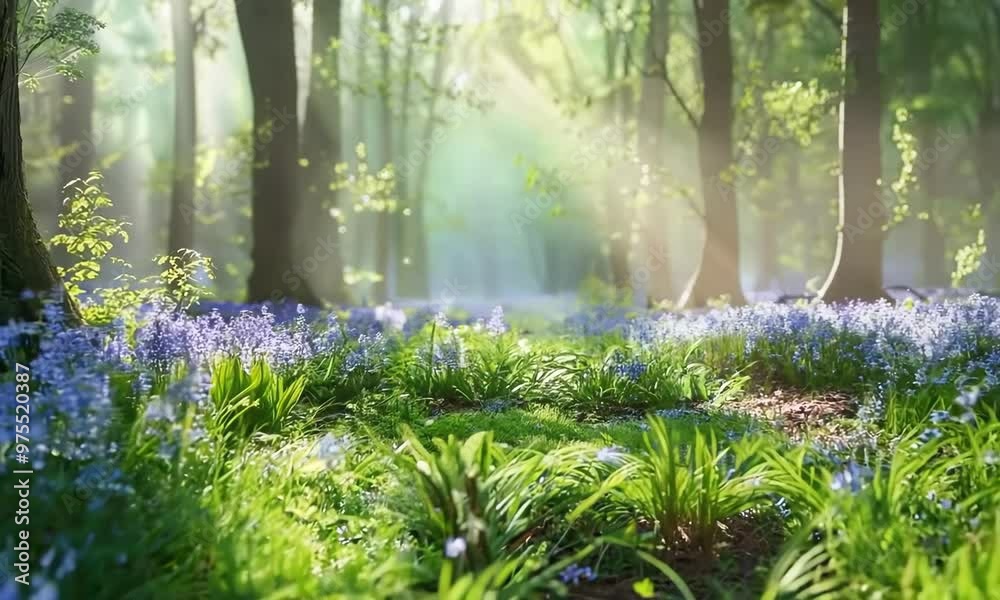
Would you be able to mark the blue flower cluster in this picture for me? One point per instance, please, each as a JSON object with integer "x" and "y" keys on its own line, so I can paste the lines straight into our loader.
{"x": 574, "y": 574}
{"x": 940, "y": 343}
{"x": 630, "y": 368}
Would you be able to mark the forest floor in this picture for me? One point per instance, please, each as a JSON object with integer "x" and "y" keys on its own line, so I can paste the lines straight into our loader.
{"x": 767, "y": 451}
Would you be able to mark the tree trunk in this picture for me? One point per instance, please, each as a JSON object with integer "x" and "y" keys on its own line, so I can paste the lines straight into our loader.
{"x": 321, "y": 146}
{"x": 987, "y": 149}
{"x": 857, "y": 265}
{"x": 182, "y": 209}
{"x": 920, "y": 43}
{"x": 401, "y": 222}
{"x": 24, "y": 260}
{"x": 656, "y": 267}
{"x": 718, "y": 275}
{"x": 76, "y": 120}
{"x": 988, "y": 146}
{"x": 415, "y": 279}
{"x": 267, "y": 31}
{"x": 621, "y": 208}
{"x": 380, "y": 291}
{"x": 616, "y": 237}
{"x": 767, "y": 261}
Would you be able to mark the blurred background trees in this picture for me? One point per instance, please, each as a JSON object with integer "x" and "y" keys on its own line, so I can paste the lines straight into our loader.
{"x": 641, "y": 151}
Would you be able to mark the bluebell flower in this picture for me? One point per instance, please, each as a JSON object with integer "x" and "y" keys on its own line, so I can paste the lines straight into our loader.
{"x": 496, "y": 325}
{"x": 455, "y": 547}
{"x": 930, "y": 434}
{"x": 968, "y": 398}
{"x": 574, "y": 574}
{"x": 851, "y": 479}
{"x": 939, "y": 416}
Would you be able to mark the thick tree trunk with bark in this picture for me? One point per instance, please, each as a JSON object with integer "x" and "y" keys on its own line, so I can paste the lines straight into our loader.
{"x": 24, "y": 260}
{"x": 718, "y": 275}
{"x": 267, "y": 31}
{"x": 180, "y": 234}
{"x": 321, "y": 147}
{"x": 652, "y": 111}
{"x": 857, "y": 266}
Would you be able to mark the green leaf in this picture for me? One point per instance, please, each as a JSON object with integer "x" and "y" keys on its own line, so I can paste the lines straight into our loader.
{"x": 644, "y": 588}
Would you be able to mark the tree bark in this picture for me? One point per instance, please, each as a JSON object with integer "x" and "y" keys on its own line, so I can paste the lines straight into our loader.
{"x": 267, "y": 31}
{"x": 718, "y": 275}
{"x": 652, "y": 109}
{"x": 182, "y": 208}
{"x": 857, "y": 266}
{"x": 321, "y": 144}
{"x": 24, "y": 261}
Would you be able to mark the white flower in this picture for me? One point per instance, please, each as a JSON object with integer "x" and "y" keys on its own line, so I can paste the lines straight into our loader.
{"x": 455, "y": 547}
{"x": 611, "y": 455}
{"x": 968, "y": 398}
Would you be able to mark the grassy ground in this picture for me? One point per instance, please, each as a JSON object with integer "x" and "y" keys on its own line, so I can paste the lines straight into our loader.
{"x": 246, "y": 458}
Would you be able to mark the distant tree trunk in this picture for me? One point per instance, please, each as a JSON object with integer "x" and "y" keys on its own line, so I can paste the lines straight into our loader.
{"x": 321, "y": 145}
{"x": 267, "y": 31}
{"x": 401, "y": 259}
{"x": 804, "y": 215}
{"x": 616, "y": 237}
{"x": 767, "y": 261}
{"x": 361, "y": 223}
{"x": 415, "y": 279}
{"x": 182, "y": 209}
{"x": 988, "y": 146}
{"x": 987, "y": 149}
{"x": 651, "y": 130}
{"x": 857, "y": 266}
{"x": 24, "y": 260}
{"x": 380, "y": 291}
{"x": 75, "y": 129}
{"x": 920, "y": 43}
{"x": 622, "y": 206}
{"x": 718, "y": 275}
